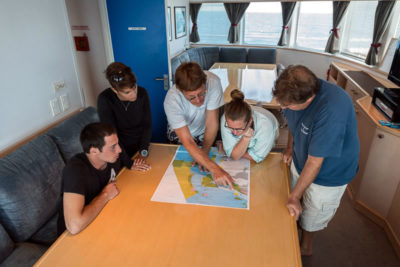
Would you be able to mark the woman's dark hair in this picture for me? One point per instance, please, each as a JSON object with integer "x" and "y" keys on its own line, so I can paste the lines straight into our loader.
{"x": 93, "y": 135}
{"x": 120, "y": 76}
{"x": 237, "y": 109}
{"x": 189, "y": 76}
{"x": 295, "y": 85}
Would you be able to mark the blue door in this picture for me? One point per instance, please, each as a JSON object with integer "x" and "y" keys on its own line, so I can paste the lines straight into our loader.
{"x": 138, "y": 34}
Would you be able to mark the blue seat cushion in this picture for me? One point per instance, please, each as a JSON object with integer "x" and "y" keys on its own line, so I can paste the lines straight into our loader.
{"x": 261, "y": 55}
{"x": 25, "y": 254}
{"x": 184, "y": 57}
{"x": 6, "y": 244}
{"x": 196, "y": 54}
{"x": 66, "y": 134}
{"x": 48, "y": 233}
{"x": 211, "y": 56}
{"x": 233, "y": 54}
{"x": 30, "y": 187}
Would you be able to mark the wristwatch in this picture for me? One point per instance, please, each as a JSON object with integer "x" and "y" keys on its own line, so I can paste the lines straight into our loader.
{"x": 144, "y": 153}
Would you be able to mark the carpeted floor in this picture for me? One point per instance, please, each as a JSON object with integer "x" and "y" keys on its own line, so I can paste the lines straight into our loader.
{"x": 351, "y": 239}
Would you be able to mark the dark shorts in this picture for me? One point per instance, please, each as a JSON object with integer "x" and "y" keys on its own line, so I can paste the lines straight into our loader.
{"x": 174, "y": 139}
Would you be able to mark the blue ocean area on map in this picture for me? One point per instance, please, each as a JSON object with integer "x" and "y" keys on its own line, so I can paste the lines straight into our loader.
{"x": 211, "y": 194}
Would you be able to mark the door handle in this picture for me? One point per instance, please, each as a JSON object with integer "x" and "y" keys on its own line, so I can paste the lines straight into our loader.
{"x": 165, "y": 79}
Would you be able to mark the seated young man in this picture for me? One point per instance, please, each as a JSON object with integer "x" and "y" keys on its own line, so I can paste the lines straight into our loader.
{"x": 192, "y": 111}
{"x": 89, "y": 177}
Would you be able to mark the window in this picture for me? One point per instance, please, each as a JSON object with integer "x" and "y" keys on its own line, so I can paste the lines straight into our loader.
{"x": 262, "y": 23}
{"x": 314, "y": 24}
{"x": 310, "y": 27}
{"x": 359, "y": 28}
{"x": 213, "y": 24}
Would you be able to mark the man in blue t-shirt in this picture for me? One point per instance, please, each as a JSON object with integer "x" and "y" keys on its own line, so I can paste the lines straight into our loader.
{"x": 323, "y": 144}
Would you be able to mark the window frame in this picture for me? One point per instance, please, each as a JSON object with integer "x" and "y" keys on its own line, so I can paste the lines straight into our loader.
{"x": 294, "y": 41}
{"x": 243, "y": 27}
{"x": 346, "y": 33}
{"x": 392, "y": 32}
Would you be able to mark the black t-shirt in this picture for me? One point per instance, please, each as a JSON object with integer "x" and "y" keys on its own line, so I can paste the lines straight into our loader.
{"x": 80, "y": 177}
{"x": 131, "y": 119}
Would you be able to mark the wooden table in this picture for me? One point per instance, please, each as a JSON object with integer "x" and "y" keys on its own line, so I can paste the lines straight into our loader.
{"x": 133, "y": 231}
{"x": 254, "y": 80}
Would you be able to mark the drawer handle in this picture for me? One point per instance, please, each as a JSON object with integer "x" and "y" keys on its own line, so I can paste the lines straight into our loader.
{"x": 381, "y": 136}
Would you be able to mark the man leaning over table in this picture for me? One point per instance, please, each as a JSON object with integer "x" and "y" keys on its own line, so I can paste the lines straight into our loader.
{"x": 192, "y": 108}
{"x": 323, "y": 144}
{"x": 89, "y": 178}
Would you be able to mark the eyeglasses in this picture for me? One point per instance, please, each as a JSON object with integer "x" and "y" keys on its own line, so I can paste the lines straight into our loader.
{"x": 236, "y": 129}
{"x": 199, "y": 95}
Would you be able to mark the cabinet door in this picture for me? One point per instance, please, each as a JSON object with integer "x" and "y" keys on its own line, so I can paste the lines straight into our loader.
{"x": 355, "y": 93}
{"x": 381, "y": 175}
{"x": 394, "y": 213}
{"x": 366, "y": 133}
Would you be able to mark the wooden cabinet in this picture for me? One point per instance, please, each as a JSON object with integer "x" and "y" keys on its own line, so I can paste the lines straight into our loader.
{"x": 355, "y": 93}
{"x": 365, "y": 134}
{"x": 381, "y": 170}
{"x": 339, "y": 77}
{"x": 376, "y": 188}
{"x": 394, "y": 213}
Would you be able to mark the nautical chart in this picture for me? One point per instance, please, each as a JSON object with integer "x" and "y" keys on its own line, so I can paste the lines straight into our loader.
{"x": 185, "y": 184}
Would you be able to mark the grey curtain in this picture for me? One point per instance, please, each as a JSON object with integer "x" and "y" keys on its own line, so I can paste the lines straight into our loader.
{"x": 287, "y": 12}
{"x": 382, "y": 16}
{"x": 194, "y": 11}
{"x": 235, "y": 13}
{"x": 339, "y": 9}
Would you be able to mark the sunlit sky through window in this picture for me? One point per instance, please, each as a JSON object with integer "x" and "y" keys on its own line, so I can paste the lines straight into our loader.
{"x": 275, "y": 7}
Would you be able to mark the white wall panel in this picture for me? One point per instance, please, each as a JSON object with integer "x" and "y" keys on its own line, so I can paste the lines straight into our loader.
{"x": 36, "y": 51}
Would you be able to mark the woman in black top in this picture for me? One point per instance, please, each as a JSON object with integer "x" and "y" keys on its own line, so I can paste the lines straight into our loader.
{"x": 126, "y": 106}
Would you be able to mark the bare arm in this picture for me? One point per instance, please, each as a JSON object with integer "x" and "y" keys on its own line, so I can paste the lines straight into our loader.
{"x": 219, "y": 175}
{"x": 211, "y": 129}
{"x": 247, "y": 156}
{"x": 287, "y": 154}
{"x": 77, "y": 215}
{"x": 240, "y": 148}
{"x": 307, "y": 176}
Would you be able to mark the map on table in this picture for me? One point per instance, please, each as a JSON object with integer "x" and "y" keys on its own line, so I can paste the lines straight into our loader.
{"x": 184, "y": 184}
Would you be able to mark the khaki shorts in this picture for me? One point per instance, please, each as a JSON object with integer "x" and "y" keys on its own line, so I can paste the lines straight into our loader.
{"x": 319, "y": 203}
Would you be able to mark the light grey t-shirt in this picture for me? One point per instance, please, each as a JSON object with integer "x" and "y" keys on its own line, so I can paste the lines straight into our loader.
{"x": 180, "y": 112}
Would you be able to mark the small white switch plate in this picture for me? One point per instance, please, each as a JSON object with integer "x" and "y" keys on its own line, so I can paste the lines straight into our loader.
{"x": 58, "y": 85}
{"x": 64, "y": 102}
{"x": 55, "y": 107}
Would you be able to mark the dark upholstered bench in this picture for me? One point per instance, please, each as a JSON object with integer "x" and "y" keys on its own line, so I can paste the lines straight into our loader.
{"x": 30, "y": 190}
{"x": 207, "y": 56}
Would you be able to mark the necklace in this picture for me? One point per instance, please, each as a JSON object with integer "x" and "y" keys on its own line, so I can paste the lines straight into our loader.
{"x": 126, "y": 106}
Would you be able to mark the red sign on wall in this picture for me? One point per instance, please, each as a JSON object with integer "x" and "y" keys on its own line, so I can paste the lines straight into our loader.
{"x": 81, "y": 43}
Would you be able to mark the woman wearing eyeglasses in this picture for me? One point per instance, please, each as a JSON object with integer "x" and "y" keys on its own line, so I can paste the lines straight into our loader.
{"x": 247, "y": 132}
{"x": 126, "y": 106}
